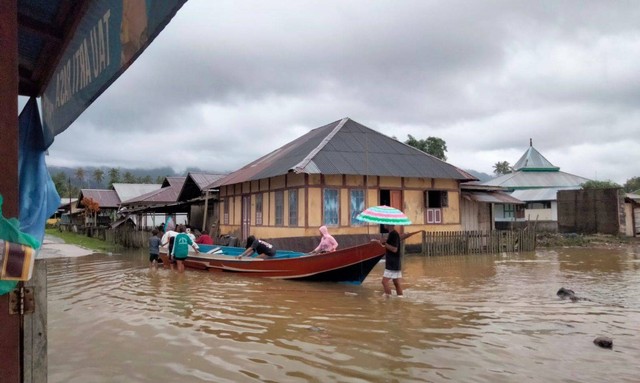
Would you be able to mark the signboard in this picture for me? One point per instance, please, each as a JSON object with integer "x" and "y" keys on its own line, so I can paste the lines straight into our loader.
{"x": 110, "y": 36}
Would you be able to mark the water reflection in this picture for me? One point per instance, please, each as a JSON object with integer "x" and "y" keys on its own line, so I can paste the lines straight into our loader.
{"x": 477, "y": 318}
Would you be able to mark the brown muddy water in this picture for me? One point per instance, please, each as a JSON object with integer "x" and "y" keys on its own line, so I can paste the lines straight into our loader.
{"x": 476, "y": 318}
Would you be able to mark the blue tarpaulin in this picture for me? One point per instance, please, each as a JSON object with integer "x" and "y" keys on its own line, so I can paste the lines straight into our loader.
{"x": 39, "y": 198}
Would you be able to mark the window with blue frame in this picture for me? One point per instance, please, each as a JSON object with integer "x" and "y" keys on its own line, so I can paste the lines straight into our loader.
{"x": 331, "y": 207}
{"x": 356, "y": 205}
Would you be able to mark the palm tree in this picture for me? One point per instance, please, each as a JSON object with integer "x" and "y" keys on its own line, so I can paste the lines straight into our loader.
{"x": 502, "y": 167}
{"x": 79, "y": 173}
{"x": 129, "y": 178}
{"x": 114, "y": 176}
{"x": 98, "y": 176}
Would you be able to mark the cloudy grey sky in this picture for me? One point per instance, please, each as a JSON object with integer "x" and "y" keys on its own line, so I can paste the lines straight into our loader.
{"x": 229, "y": 81}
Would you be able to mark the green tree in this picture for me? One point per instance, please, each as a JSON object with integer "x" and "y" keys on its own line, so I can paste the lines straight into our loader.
{"x": 74, "y": 191}
{"x": 502, "y": 167}
{"x": 432, "y": 145}
{"x": 146, "y": 179}
{"x": 79, "y": 174}
{"x": 62, "y": 185}
{"x": 129, "y": 178}
{"x": 632, "y": 185}
{"x": 600, "y": 185}
{"x": 98, "y": 176}
{"x": 114, "y": 176}
{"x": 160, "y": 179}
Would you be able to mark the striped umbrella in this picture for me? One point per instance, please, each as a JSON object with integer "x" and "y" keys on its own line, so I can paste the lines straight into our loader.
{"x": 384, "y": 215}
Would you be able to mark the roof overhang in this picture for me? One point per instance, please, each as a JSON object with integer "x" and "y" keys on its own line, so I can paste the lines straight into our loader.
{"x": 491, "y": 197}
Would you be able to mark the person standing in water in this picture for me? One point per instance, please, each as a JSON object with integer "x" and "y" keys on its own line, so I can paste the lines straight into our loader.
{"x": 154, "y": 248}
{"x": 181, "y": 248}
{"x": 393, "y": 262}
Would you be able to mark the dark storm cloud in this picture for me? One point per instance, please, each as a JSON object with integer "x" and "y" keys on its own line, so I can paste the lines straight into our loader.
{"x": 484, "y": 76}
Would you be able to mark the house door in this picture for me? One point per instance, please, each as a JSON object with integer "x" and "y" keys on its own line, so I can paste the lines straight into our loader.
{"x": 636, "y": 220}
{"x": 246, "y": 216}
{"x": 392, "y": 198}
{"x": 396, "y": 199}
{"x": 396, "y": 202}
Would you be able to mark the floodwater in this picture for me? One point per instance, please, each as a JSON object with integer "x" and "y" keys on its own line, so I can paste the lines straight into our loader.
{"x": 481, "y": 318}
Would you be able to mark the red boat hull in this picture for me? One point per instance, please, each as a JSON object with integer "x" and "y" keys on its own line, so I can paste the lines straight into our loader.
{"x": 350, "y": 265}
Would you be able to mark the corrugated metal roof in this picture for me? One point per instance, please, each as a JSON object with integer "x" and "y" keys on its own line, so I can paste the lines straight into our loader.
{"x": 521, "y": 179}
{"x": 170, "y": 181}
{"x": 491, "y": 197}
{"x": 197, "y": 184}
{"x": 166, "y": 194}
{"x": 205, "y": 180}
{"x": 633, "y": 196}
{"x": 104, "y": 198}
{"x": 476, "y": 186}
{"x": 545, "y": 194}
{"x": 346, "y": 147}
{"x": 128, "y": 191}
{"x": 532, "y": 159}
{"x": 65, "y": 202}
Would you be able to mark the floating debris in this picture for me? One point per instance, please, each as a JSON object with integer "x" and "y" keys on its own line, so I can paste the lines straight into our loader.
{"x": 603, "y": 341}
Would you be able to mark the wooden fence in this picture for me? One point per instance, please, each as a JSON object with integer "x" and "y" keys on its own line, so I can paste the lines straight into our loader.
{"x": 478, "y": 242}
{"x": 128, "y": 237}
{"x": 433, "y": 243}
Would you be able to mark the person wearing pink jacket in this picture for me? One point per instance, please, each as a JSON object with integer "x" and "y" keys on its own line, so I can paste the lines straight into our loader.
{"x": 327, "y": 242}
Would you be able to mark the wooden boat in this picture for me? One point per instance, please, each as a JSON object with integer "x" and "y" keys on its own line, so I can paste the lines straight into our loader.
{"x": 351, "y": 264}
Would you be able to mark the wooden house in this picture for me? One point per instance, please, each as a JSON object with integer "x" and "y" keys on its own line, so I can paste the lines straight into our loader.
{"x": 476, "y": 205}
{"x": 329, "y": 175}
{"x": 109, "y": 201}
{"x": 151, "y": 209}
{"x": 198, "y": 192}
{"x": 632, "y": 214}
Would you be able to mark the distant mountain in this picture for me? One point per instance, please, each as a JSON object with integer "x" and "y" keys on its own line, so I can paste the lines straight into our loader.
{"x": 479, "y": 175}
{"x": 90, "y": 183}
{"x": 157, "y": 173}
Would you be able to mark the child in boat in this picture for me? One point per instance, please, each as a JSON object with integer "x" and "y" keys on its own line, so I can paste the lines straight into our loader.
{"x": 327, "y": 242}
{"x": 264, "y": 249}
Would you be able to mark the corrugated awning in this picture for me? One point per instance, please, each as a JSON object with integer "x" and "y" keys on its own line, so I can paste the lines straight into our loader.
{"x": 491, "y": 197}
{"x": 634, "y": 197}
{"x": 544, "y": 194}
